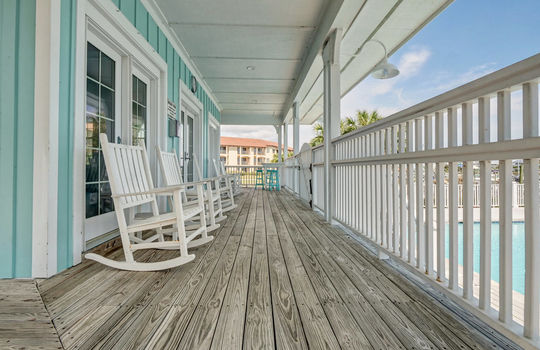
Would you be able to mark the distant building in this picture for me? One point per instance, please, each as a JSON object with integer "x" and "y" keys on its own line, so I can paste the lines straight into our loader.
{"x": 246, "y": 151}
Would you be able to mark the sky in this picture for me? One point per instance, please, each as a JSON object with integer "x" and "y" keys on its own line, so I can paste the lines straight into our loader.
{"x": 468, "y": 40}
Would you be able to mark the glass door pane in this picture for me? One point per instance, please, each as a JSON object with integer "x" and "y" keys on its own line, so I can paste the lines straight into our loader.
{"x": 139, "y": 108}
{"x": 100, "y": 118}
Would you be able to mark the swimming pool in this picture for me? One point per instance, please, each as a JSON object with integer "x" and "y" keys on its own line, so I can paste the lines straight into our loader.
{"x": 518, "y": 251}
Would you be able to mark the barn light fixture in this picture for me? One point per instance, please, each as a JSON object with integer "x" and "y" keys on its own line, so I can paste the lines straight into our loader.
{"x": 385, "y": 69}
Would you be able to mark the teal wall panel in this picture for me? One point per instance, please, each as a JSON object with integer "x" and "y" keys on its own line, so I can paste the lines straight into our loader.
{"x": 152, "y": 33}
{"x": 141, "y": 19}
{"x": 162, "y": 45}
{"x": 17, "y": 56}
{"x": 128, "y": 9}
{"x": 68, "y": 18}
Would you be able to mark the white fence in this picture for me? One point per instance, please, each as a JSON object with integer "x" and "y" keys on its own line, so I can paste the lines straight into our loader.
{"x": 393, "y": 179}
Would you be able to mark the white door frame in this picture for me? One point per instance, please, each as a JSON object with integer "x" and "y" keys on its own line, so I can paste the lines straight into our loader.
{"x": 213, "y": 152}
{"x": 189, "y": 102}
{"x": 106, "y": 222}
{"x": 112, "y": 25}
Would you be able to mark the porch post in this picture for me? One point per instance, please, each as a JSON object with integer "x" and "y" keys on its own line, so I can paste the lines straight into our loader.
{"x": 296, "y": 127}
{"x": 296, "y": 143}
{"x": 285, "y": 141}
{"x": 278, "y": 130}
{"x": 45, "y": 138}
{"x": 330, "y": 55}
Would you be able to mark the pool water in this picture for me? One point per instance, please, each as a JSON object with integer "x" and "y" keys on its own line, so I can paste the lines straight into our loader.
{"x": 518, "y": 252}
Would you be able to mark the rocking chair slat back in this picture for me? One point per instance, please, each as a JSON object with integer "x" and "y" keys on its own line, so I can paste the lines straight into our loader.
{"x": 171, "y": 168}
{"x": 128, "y": 172}
{"x": 197, "y": 167}
{"x": 216, "y": 167}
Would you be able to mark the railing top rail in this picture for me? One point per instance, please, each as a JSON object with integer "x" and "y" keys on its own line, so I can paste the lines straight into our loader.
{"x": 505, "y": 78}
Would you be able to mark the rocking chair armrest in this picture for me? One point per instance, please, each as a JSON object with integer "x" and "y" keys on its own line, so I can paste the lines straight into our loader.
{"x": 213, "y": 178}
{"x": 168, "y": 190}
{"x": 196, "y": 183}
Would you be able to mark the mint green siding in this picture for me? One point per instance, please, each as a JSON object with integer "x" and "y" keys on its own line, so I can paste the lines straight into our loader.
{"x": 68, "y": 19}
{"x": 145, "y": 24}
{"x": 17, "y": 57}
{"x": 176, "y": 70}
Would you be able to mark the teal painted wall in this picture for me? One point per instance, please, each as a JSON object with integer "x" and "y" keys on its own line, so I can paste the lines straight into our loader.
{"x": 17, "y": 57}
{"x": 176, "y": 69}
{"x": 68, "y": 20}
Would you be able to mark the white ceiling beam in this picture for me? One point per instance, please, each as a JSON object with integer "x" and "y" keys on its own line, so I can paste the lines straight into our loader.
{"x": 325, "y": 25}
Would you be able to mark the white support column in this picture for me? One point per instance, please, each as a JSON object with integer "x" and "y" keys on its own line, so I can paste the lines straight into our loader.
{"x": 296, "y": 141}
{"x": 45, "y": 171}
{"x": 285, "y": 141}
{"x": 296, "y": 127}
{"x": 279, "y": 142}
{"x": 330, "y": 55}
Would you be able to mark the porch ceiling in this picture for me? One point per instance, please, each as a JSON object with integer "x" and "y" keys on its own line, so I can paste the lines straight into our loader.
{"x": 281, "y": 39}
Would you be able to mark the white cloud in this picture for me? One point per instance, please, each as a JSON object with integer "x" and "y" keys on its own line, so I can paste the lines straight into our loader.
{"x": 447, "y": 81}
{"x": 368, "y": 94}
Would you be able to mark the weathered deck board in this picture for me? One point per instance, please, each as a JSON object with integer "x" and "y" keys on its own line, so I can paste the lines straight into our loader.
{"x": 24, "y": 321}
{"x": 276, "y": 276}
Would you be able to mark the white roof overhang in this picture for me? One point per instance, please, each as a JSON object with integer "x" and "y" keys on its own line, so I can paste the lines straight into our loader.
{"x": 282, "y": 40}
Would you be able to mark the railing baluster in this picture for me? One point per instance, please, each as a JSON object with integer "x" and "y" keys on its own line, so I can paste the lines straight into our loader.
{"x": 402, "y": 195}
{"x": 395, "y": 189}
{"x": 411, "y": 194}
{"x": 532, "y": 221}
{"x": 467, "y": 195}
{"x": 389, "y": 192}
{"x": 377, "y": 199}
{"x": 383, "y": 201}
{"x": 453, "y": 202}
{"x": 428, "y": 184}
{"x": 420, "y": 239}
{"x": 485, "y": 207}
{"x": 505, "y": 210}
{"x": 440, "y": 191}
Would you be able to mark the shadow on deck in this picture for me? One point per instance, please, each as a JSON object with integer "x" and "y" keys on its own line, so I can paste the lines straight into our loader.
{"x": 276, "y": 276}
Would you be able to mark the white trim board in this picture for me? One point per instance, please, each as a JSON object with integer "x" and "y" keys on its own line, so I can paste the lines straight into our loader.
{"x": 45, "y": 167}
{"x": 190, "y": 102}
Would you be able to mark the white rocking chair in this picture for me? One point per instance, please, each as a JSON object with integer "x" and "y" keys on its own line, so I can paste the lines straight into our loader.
{"x": 132, "y": 186}
{"x": 172, "y": 175}
{"x": 225, "y": 188}
{"x": 234, "y": 179}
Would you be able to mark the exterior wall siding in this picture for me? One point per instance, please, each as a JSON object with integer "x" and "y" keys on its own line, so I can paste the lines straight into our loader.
{"x": 135, "y": 11}
{"x": 17, "y": 69}
{"x": 137, "y": 14}
{"x": 17, "y": 57}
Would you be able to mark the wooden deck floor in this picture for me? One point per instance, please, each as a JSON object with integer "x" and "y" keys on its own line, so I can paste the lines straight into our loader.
{"x": 276, "y": 276}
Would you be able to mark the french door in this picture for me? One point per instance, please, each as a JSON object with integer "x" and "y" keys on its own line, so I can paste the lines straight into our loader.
{"x": 102, "y": 116}
{"x": 187, "y": 144}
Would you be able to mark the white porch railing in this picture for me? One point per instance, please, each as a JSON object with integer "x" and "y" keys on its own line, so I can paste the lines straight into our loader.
{"x": 248, "y": 172}
{"x": 394, "y": 179}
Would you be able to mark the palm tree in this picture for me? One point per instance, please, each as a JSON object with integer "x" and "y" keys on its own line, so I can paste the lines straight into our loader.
{"x": 346, "y": 125}
{"x": 275, "y": 156}
{"x": 319, "y": 135}
{"x": 364, "y": 118}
